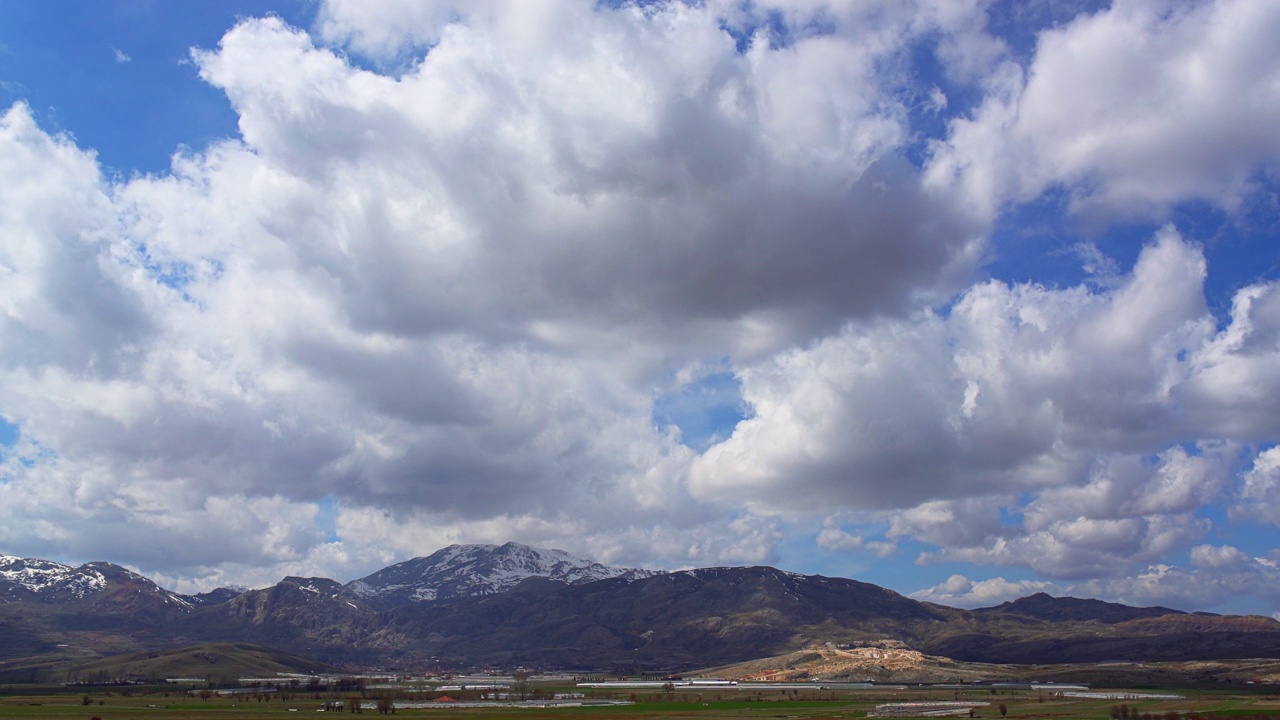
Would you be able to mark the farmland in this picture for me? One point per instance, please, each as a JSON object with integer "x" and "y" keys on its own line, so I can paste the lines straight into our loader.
{"x": 161, "y": 702}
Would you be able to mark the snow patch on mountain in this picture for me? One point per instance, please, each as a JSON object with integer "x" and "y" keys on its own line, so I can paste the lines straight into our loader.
{"x": 46, "y": 581}
{"x": 362, "y": 588}
{"x": 469, "y": 570}
{"x": 45, "y": 578}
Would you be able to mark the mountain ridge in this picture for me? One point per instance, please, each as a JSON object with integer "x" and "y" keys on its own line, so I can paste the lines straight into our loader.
{"x": 512, "y": 604}
{"x": 1044, "y": 606}
{"x": 468, "y": 570}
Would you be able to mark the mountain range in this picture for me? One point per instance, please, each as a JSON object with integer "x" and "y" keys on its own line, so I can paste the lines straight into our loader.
{"x": 506, "y": 605}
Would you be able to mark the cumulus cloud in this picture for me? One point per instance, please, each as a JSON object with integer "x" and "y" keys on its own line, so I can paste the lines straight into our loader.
{"x": 1217, "y": 575}
{"x": 834, "y": 538}
{"x": 1016, "y": 389}
{"x": 1034, "y": 427}
{"x": 449, "y": 297}
{"x": 440, "y": 300}
{"x": 1260, "y": 489}
{"x": 1130, "y": 110}
{"x": 960, "y": 591}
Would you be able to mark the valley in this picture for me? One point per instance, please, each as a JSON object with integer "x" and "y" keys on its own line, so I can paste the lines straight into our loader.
{"x": 555, "y": 696}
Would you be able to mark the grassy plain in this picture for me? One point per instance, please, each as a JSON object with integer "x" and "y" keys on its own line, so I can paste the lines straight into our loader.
{"x": 47, "y": 703}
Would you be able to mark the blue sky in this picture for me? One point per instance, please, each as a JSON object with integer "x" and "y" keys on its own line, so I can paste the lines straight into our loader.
{"x": 119, "y": 76}
{"x": 967, "y": 300}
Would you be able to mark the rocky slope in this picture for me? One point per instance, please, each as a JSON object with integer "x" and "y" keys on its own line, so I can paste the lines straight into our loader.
{"x": 879, "y": 661}
{"x": 889, "y": 661}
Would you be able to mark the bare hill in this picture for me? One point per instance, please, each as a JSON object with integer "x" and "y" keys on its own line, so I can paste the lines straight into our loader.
{"x": 217, "y": 661}
{"x": 883, "y": 661}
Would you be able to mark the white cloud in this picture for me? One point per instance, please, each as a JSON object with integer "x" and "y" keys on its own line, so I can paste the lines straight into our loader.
{"x": 1174, "y": 481}
{"x": 960, "y": 591}
{"x": 833, "y": 538}
{"x": 1217, "y": 575}
{"x": 1014, "y": 390}
{"x": 1132, "y": 109}
{"x": 1260, "y": 489}
{"x": 396, "y": 287}
{"x": 388, "y": 28}
{"x": 445, "y": 300}
{"x": 1064, "y": 408}
{"x": 950, "y": 523}
{"x": 319, "y": 316}
{"x": 1082, "y": 547}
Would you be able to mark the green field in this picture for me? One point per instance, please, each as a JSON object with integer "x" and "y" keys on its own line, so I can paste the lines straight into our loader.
{"x": 160, "y": 703}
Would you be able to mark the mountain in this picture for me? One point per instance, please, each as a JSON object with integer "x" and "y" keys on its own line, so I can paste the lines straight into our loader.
{"x": 218, "y": 595}
{"x": 1011, "y": 639}
{"x": 52, "y": 614}
{"x": 682, "y": 619}
{"x": 470, "y": 570}
{"x": 516, "y": 605}
{"x": 712, "y": 616}
{"x": 1055, "y": 609}
{"x": 102, "y": 584}
{"x": 296, "y": 613}
{"x": 45, "y": 580}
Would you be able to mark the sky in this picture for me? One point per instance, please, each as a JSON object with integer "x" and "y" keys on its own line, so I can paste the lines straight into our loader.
{"x": 970, "y": 299}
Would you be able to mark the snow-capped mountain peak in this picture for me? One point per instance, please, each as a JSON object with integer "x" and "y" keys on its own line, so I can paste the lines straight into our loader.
{"x": 467, "y": 570}
{"x": 46, "y": 581}
{"x": 26, "y": 578}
